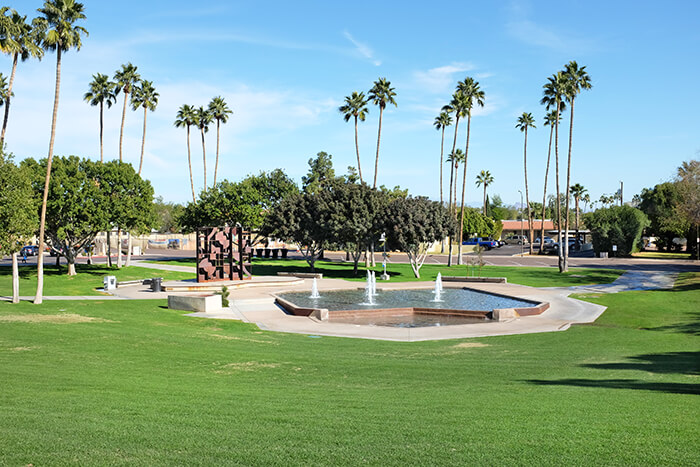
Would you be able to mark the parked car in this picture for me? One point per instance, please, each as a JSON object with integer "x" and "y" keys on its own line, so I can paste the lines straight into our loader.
{"x": 29, "y": 250}
{"x": 498, "y": 242}
{"x": 484, "y": 242}
{"x": 517, "y": 240}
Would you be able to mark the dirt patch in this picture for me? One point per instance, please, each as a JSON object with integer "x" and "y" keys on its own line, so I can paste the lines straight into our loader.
{"x": 469, "y": 345}
{"x": 231, "y": 368}
{"x": 62, "y": 318}
{"x": 234, "y": 338}
{"x": 20, "y": 349}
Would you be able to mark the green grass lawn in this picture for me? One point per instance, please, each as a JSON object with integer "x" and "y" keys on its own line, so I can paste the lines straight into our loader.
{"x": 661, "y": 255}
{"x": 540, "y": 277}
{"x": 145, "y": 385}
{"x": 56, "y": 282}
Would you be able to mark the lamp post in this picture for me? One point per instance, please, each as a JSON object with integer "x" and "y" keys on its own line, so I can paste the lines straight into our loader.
{"x": 384, "y": 276}
{"x": 522, "y": 241}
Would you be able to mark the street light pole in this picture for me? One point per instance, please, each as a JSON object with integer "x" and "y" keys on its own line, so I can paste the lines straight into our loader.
{"x": 384, "y": 276}
{"x": 522, "y": 241}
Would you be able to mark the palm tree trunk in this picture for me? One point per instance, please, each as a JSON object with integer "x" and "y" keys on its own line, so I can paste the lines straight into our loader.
{"x": 15, "y": 279}
{"x": 7, "y": 101}
{"x": 216, "y": 165}
{"x": 128, "y": 251}
{"x": 483, "y": 209}
{"x": 449, "y": 203}
{"x": 204, "y": 159}
{"x": 442, "y": 152}
{"x": 464, "y": 187}
{"x": 527, "y": 195}
{"x": 357, "y": 151}
{"x": 38, "y": 299}
{"x": 102, "y": 154}
{"x": 189, "y": 162}
{"x": 379, "y": 137}
{"x": 556, "y": 160}
{"x": 121, "y": 132}
{"x": 143, "y": 139}
{"x": 544, "y": 197}
{"x": 109, "y": 247}
{"x": 576, "y": 200}
{"x": 568, "y": 183}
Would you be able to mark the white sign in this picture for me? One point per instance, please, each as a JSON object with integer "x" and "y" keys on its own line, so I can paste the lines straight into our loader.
{"x": 614, "y": 247}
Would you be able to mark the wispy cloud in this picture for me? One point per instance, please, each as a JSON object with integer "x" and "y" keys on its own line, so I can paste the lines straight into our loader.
{"x": 522, "y": 28}
{"x": 362, "y": 49}
{"x": 441, "y": 79}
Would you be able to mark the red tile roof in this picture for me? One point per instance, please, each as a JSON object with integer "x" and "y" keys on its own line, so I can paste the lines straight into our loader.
{"x": 537, "y": 224}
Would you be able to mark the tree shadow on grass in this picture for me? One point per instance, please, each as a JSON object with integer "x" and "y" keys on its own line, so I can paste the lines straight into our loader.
{"x": 671, "y": 388}
{"x": 690, "y": 327}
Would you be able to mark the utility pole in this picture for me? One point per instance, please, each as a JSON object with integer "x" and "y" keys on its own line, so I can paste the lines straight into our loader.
{"x": 621, "y": 198}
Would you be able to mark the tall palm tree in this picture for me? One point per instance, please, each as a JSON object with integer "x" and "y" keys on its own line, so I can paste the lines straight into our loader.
{"x": 549, "y": 120}
{"x": 102, "y": 91}
{"x": 454, "y": 159}
{"x": 186, "y": 117}
{"x": 484, "y": 178}
{"x": 457, "y": 106}
{"x": 203, "y": 119}
{"x": 220, "y": 111}
{"x": 21, "y": 41}
{"x": 554, "y": 92}
{"x": 525, "y": 121}
{"x": 578, "y": 79}
{"x": 126, "y": 78}
{"x": 58, "y": 32}
{"x": 144, "y": 96}
{"x": 474, "y": 96}
{"x": 381, "y": 94}
{"x": 442, "y": 121}
{"x": 355, "y": 107}
{"x": 578, "y": 191}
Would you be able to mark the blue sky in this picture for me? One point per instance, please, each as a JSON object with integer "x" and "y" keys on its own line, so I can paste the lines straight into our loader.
{"x": 285, "y": 67}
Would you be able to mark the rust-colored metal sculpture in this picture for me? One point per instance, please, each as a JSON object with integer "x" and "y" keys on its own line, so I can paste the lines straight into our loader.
{"x": 223, "y": 254}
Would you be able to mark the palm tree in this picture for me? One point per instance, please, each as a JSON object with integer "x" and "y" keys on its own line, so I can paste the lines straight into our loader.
{"x": 458, "y": 106}
{"x": 102, "y": 91}
{"x": 474, "y": 96}
{"x": 525, "y": 121}
{"x": 578, "y": 79}
{"x": 442, "y": 121}
{"x": 126, "y": 79}
{"x": 381, "y": 94}
{"x": 20, "y": 40}
{"x": 220, "y": 111}
{"x": 484, "y": 178}
{"x": 186, "y": 117}
{"x": 59, "y": 33}
{"x": 145, "y": 96}
{"x": 554, "y": 92}
{"x": 202, "y": 119}
{"x": 549, "y": 120}
{"x": 454, "y": 159}
{"x": 578, "y": 191}
{"x": 356, "y": 107}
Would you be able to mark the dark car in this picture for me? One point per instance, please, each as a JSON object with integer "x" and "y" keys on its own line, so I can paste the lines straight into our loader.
{"x": 29, "y": 250}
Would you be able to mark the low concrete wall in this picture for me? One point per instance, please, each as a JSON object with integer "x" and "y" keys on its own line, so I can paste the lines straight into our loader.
{"x": 493, "y": 280}
{"x": 303, "y": 275}
{"x": 203, "y": 303}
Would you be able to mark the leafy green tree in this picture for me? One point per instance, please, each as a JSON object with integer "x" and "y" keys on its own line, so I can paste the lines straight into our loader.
{"x": 660, "y": 204}
{"x": 18, "y": 213}
{"x": 525, "y": 121}
{"x": 146, "y": 97}
{"x": 20, "y": 40}
{"x": 619, "y": 225}
{"x": 272, "y": 186}
{"x": 126, "y": 79}
{"x": 578, "y": 79}
{"x": 57, "y": 30}
{"x": 442, "y": 121}
{"x": 167, "y": 215}
{"x": 220, "y": 111}
{"x": 77, "y": 209}
{"x": 474, "y": 96}
{"x": 186, "y": 117}
{"x": 355, "y": 107}
{"x": 203, "y": 119}
{"x": 555, "y": 91}
{"x": 321, "y": 173}
{"x": 380, "y": 95}
{"x": 477, "y": 224}
{"x": 413, "y": 224}
{"x": 688, "y": 182}
{"x": 102, "y": 91}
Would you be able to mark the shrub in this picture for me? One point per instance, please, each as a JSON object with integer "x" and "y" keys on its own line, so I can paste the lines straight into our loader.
{"x": 617, "y": 225}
